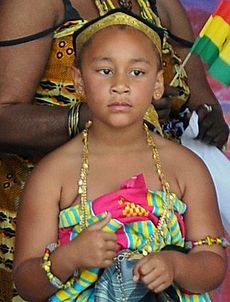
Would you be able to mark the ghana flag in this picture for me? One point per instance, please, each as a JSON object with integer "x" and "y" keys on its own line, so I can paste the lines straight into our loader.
{"x": 213, "y": 43}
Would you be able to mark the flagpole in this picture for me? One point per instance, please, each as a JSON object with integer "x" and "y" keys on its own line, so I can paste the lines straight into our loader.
{"x": 180, "y": 68}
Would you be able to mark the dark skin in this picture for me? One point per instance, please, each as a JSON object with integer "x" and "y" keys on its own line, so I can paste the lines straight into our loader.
{"x": 35, "y": 130}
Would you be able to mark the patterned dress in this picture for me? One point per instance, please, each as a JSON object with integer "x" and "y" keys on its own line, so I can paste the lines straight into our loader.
{"x": 135, "y": 212}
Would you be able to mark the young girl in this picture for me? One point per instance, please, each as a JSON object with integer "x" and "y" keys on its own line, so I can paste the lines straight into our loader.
{"x": 116, "y": 190}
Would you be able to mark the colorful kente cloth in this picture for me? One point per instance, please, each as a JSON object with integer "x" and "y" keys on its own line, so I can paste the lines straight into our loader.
{"x": 135, "y": 214}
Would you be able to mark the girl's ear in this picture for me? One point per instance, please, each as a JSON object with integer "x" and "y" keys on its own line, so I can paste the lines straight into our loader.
{"x": 78, "y": 83}
{"x": 158, "y": 89}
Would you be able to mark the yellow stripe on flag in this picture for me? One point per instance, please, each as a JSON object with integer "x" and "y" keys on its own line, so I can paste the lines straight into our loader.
{"x": 225, "y": 51}
{"x": 218, "y": 31}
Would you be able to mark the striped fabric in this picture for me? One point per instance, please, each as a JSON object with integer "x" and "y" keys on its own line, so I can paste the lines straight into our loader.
{"x": 135, "y": 213}
{"x": 213, "y": 43}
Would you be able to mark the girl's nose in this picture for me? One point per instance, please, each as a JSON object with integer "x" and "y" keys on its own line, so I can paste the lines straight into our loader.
{"x": 120, "y": 85}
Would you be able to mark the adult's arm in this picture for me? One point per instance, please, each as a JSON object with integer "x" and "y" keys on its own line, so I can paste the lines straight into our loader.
{"x": 25, "y": 128}
{"x": 181, "y": 27}
{"x": 213, "y": 128}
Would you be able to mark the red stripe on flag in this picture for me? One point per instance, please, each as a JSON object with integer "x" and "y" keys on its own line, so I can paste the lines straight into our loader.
{"x": 223, "y": 10}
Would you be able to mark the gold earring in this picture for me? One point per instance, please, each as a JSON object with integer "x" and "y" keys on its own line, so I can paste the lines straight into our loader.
{"x": 157, "y": 95}
{"x": 80, "y": 93}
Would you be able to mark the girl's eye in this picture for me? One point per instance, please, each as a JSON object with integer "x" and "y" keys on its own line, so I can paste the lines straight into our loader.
{"x": 105, "y": 71}
{"x": 137, "y": 72}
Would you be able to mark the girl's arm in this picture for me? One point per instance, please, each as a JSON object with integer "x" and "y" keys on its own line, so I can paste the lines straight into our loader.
{"x": 203, "y": 268}
{"x": 37, "y": 226}
{"x": 51, "y": 186}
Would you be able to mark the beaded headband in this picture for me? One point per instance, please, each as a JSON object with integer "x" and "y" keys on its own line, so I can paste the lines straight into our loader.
{"x": 118, "y": 17}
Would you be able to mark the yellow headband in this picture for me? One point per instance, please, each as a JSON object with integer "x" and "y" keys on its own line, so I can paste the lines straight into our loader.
{"x": 117, "y": 17}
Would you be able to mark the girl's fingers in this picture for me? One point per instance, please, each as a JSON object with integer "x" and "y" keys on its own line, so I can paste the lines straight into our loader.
{"x": 154, "y": 277}
{"x": 137, "y": 269}
{"x": 158, "y": 288}
{"x": 98, "y": 226}
{"x": 111, "y": 245}
{"x": 110, "y": 255}
{"x": 109, "y": 236}
{"x": 156, "y": 284}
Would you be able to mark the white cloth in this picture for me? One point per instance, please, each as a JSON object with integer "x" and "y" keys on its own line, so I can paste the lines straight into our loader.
{"x": 217, "y": 163}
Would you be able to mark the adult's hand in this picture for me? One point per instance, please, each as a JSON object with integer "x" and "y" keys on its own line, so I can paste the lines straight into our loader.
{"x": 213, "y": 129}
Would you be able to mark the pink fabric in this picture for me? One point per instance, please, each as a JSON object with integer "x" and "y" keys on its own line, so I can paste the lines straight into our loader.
{"x": 64, "y": 235}
{"x": 128, "y": 205}
{"x": 134, "y": 191}
{"x": 181, "y": 223}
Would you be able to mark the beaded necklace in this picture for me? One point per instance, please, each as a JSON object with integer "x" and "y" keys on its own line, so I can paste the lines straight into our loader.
{"x": 158, "y": 235}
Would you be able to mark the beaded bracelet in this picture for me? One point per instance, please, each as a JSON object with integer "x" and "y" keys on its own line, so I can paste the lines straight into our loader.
{"x": 74, "y": 119}
{"x": 207, "y": 241}
{"x": 46, "y": 265}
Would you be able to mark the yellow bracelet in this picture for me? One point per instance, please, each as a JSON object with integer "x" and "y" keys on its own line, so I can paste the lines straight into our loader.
{"x": 207, "y": 241}
{"x": 46, "y": 265}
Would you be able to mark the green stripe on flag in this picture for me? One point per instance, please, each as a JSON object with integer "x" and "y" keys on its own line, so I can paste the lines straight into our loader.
{"x": 209, "y": 52}
{"x": 213, "y": 43}
{"x": 220, "y": 70}
{"x": 206, "y": 49}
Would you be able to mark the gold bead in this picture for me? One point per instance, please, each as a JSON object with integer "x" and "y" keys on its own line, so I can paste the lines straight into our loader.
{"x": 144, "y": 252}
{"x": 149, "y": 249}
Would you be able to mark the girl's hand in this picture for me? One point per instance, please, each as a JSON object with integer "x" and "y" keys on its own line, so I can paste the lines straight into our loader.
{"x": 156, "y": 271}
{"x": 96, "y": 247}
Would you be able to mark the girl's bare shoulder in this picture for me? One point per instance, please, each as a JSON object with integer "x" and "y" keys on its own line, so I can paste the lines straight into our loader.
{"x": 179, "y": 159}
{"x": 62, "y": 160}
{"x": 168, "y": 147}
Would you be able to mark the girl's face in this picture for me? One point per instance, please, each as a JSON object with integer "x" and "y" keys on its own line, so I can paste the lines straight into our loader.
{"x": 120, "y": 76}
